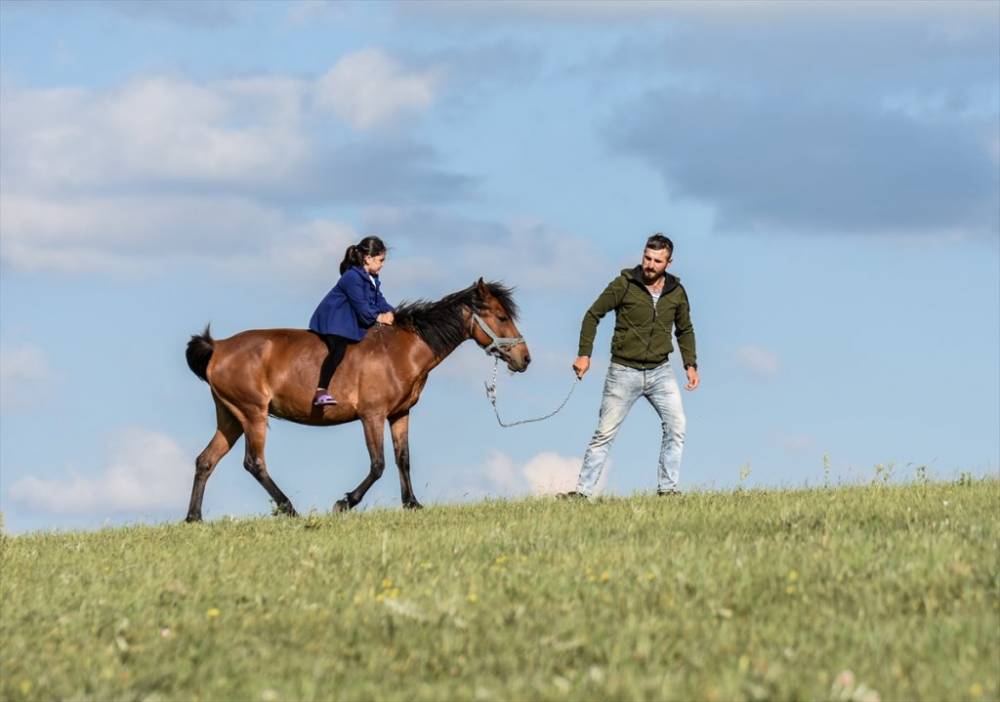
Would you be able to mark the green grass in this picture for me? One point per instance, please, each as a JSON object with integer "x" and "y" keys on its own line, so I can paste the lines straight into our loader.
{"x": 718, "y": 596}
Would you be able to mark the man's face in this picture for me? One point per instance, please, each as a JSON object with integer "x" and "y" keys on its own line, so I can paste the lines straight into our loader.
{"x": 654, "y": 263}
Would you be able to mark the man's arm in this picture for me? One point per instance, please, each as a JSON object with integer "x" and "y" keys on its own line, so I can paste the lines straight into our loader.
{"x": 685, "y": 339}
{"x": 605, "y": 302}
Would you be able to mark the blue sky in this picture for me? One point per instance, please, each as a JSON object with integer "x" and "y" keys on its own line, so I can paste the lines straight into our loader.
{"x": 828, "y": 173}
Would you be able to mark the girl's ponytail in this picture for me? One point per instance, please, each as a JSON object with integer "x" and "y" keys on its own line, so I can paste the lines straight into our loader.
{"x": 352, "y": 257}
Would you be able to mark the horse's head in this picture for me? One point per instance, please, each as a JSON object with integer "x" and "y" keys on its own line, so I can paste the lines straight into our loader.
{"x": 493, "y": 326}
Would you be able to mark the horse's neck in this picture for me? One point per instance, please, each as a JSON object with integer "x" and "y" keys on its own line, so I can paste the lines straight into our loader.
{"x": 433, "y": 360}
{"x": 427, "y": 359}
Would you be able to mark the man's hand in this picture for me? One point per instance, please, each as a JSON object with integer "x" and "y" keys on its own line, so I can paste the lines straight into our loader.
{"x": 386, "y": 318}
{"x": 581, "y": 365}
{"x": 693, "y": 380}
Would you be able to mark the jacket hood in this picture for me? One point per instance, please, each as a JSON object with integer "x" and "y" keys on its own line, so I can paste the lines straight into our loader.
{"x": 670, "y": 281}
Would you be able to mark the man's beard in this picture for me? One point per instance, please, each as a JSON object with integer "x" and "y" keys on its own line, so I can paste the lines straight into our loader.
{"x": 651, "y": 277}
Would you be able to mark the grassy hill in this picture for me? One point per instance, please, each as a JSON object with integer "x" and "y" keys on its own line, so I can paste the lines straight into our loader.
{"x": 858, "y": 593}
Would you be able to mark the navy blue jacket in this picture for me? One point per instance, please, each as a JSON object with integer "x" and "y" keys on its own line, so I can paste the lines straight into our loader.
{"x": 351, "y": 306}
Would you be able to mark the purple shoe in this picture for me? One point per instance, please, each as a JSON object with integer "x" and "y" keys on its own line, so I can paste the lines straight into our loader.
{"x": 323, "y": 398}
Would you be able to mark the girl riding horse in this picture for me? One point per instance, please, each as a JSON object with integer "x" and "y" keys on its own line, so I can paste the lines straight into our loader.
{"x": 353, "y": 305}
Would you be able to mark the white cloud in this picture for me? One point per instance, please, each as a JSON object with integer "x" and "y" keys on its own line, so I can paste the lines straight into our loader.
{"x": 758, "y": 360}
{"x": 140, "y": 236}
{"x": 304, "y": 254}
{"x": 163, "y": 169}
{"x": 160, "y": 129}
{"x": 146, "y": 471}
{"x": 501, "y": 471}
{"x": 546, "y": 473}
{"x": 24, "y": 373}
{"x": 23, "y": 362}
{"x": 549, "y": 473}
{"x": 129, "y": 234}
{"x": 107, "y": 181}
{"x": 369, "y": 89}
{"x": 245, "y": 132}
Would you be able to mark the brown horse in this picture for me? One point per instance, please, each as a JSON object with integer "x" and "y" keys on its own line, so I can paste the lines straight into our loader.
{"x": 273, "y": 372}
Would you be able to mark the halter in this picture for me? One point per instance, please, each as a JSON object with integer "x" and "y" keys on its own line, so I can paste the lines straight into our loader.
{"x": 498, "y": 344}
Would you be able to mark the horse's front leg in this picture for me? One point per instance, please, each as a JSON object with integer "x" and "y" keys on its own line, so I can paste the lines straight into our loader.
{"x": 400, "y": 428}
{"x": 375, "y": 439}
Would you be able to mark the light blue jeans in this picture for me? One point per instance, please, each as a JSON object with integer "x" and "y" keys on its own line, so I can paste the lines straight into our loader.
{"x": 622, "y": 387}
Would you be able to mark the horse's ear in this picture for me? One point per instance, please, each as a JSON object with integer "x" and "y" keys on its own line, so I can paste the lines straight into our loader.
{"x": 482, "y": 289}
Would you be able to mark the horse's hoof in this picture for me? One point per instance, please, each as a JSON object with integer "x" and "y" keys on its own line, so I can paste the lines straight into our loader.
{"x": 192, "y": 518}
{"x": 412, "y": 505}
{"x": 341, "y": 506}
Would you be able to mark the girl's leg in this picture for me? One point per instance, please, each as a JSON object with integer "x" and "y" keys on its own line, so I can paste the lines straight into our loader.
{"x": 336, "y": 347}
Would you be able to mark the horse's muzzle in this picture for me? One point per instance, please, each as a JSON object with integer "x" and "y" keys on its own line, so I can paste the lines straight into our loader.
{"x": 517, "y": 363}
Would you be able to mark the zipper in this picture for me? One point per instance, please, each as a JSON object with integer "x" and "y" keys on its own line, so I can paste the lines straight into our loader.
{"x": 649, "y": 344}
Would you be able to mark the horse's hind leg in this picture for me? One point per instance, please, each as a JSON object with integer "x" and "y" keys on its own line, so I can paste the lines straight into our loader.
{"x": 256, "y": 432}
{"x": 228, "y": 430}
{"x": 375, "y": 439}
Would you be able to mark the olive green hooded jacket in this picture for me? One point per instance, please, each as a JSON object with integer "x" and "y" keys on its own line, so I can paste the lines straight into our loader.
{"x": 642, "y": 336}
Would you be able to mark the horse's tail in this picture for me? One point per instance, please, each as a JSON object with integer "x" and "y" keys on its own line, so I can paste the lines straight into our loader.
{"x": 199, "y": 352}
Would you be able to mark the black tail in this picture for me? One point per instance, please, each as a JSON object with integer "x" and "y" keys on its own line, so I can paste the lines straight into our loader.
{"x": 199, "y": 352}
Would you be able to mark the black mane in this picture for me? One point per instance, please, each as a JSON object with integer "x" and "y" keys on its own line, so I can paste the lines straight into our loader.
{"x": 440, "y": 323}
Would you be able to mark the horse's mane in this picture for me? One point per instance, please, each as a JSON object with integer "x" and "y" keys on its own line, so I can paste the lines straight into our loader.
{"x": 440, "y": 323}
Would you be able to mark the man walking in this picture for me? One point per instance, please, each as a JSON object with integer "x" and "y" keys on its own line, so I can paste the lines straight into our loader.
{"x": 648, "y": 303}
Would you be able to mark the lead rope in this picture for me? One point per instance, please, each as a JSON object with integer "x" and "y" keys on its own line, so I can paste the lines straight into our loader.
{"x": 491, "y": 393}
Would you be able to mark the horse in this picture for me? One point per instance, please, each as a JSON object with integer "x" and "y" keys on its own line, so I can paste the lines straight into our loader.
{"x": 272, "y": 372}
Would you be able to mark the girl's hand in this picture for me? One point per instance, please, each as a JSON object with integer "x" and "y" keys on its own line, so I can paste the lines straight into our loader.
{"x": 386, "y": 318}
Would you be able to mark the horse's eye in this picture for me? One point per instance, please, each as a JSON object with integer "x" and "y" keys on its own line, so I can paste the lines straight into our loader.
{"x": 502, "y": 319}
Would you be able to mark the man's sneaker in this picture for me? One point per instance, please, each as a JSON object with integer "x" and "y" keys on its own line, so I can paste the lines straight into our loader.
{"x": 574, "y": 495}
{"x": 666, "y": 493}
{"x": 323, "y": 398}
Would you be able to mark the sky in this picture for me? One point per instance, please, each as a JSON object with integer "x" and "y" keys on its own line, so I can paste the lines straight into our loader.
{"x": 828, "y": 173}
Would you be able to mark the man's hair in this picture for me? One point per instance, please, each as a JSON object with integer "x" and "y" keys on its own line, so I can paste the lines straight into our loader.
{"x": 658, "y": 242}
